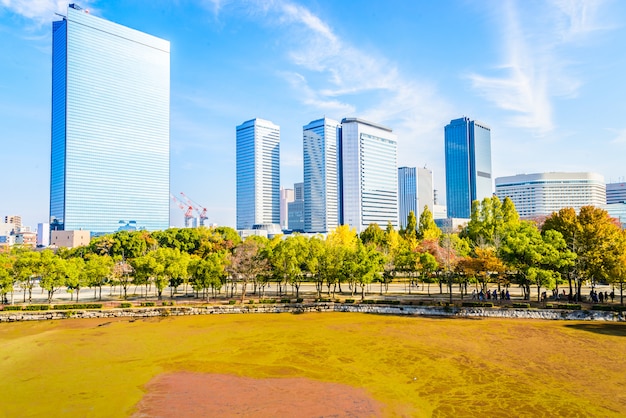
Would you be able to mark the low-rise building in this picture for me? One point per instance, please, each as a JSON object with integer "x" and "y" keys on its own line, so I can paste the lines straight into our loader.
{"x": 69, "y": 239}
{"x": 541, "y": 194}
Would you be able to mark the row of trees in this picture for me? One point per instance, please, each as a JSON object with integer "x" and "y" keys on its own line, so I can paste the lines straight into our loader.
{"x": 496, "y": 248}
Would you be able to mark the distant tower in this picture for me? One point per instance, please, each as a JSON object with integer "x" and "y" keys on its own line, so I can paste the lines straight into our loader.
{"x": 425, "y": 191}
{"x": 296, "y": 208}
{"x": 110, "y": 126}
{"x": 407, "y": 193}
{"x": 369, "y": 155}
{"x": 468, "y": 165}
{"x": 321, "y": 178}
{"x": 258, "y": 173}
{"x": 286, "y": 197}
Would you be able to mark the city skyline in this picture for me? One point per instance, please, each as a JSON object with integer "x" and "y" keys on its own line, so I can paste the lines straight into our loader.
{"x": 550, "y": 87}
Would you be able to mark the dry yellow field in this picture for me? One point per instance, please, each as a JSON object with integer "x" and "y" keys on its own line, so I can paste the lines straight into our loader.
{"x": 416, "y": 366}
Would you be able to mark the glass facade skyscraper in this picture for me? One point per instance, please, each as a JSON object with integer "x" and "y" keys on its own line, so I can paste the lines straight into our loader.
{"x": 468, "y": 165}
{"x": 321, "y": 144}
{"x": 110, "y": 126}
{"x": 258, "y": 173}
{"x": 370, "y": 174}
{"x": 407, "y": 193}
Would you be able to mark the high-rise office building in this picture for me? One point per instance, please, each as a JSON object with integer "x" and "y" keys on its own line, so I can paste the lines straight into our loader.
{"x": 286, "y": 197}
{"x": 407, "y": 193}
{"x": 468, "y": 165}
{"x": 258, "y": 173}
{"x": 540, "y": 194}
{"x": 110, "y": 126}
{"x": 370, "y": 174}
{"x": 321, "y": 145}
{"x": 296, "y": 209}
{"x": 425, "y": 190}
{"x": 415, "y": 190}
{"x": 615, "y": 193}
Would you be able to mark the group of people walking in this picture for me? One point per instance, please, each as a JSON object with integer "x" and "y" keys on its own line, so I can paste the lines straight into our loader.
{"x": 491, "y": 294}
{"x": 599, "y": 297}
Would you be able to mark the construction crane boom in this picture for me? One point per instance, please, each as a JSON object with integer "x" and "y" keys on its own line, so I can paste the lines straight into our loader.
{"x": 200, "y": 210}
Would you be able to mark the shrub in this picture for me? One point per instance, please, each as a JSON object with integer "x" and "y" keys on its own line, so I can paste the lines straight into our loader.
{"x": 167, "y": 303}
{"x": 572, "y": 306}
{"x": 299, "y": 300}
{"x": 608, "y": 308}
{"x": 126, "y": 305}
{"x": 36, "y": 308}
{"x": 285, "y": 301}
{"x": 521, "y": 305}
{"x": 232, "y": 302}
{"x": 12, "y": 308}
{"x": 323, "y": 300}
{"x": 368, "y": 301}
{"x": 250, "y": 302}
{"x": 148, "y": 304}
{"x": 267, "y": 301}
{"x": 477, "y": 305}
{"x": 79, "y": 306}
{"x": 348, "y": 301}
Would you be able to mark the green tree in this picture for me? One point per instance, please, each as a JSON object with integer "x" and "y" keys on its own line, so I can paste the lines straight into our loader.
{"x": 208, "y": 272}
{"x": 97, "y": 271}
{"x": 373, "y": 234}
{"x": 26, "y": 270}
{"x": 75, "y": 277}
{"x": 53, "y": 272}
{"x": 428, "y": 229}
{"x": 7, "y": 280}
{"x": 411, "y": 226}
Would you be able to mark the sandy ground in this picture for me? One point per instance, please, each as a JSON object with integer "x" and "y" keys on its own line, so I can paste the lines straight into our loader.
{"x": 216, "y": 395}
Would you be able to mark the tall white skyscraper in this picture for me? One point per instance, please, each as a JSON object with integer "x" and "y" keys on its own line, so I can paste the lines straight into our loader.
{"x": 370, "y": 174}
{"x": 425, "y": 191}
{"x": 321, "y": 175}
{"x": 258, "y": 173}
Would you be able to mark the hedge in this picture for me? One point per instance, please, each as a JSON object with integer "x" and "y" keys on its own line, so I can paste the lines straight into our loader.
{"x": 608, "y": 308}
{"x": 521, "y": 305}
{"x": 285, "y": 301}
{"x": 126, "y": 305}
{"x": 79, "y": 306}
{"x": 573, "y": 306}
{"x": 36, "y": 308}
{"x": 148, "y": 304}
{"x": 477, "y": 305}
{"x": 12, "y": 308}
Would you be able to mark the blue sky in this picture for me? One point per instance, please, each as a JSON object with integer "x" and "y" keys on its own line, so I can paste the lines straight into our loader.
{"x": 548, "y": 77}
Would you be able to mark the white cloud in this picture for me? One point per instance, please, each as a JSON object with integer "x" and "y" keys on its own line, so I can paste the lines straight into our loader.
{"x": 334, "y": 76}
{"x": 534, "y": 69}
{"x": 41, "y": 11}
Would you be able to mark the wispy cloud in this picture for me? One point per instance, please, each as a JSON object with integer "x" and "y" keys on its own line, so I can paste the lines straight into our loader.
{"x": 620, "y": 136}
{"x": 335, "y": 77}
{"x": 40, "y": 11}
{"x": 534, "y": 70}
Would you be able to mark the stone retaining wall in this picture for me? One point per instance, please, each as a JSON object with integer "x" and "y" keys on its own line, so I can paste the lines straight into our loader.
{"x": 579, "y": 315}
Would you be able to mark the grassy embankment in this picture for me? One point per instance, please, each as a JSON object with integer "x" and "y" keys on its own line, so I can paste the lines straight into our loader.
{"x": 416, "y": 366}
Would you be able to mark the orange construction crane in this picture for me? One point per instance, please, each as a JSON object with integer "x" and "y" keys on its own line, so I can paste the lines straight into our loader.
{"x": 198, "y": 208}
{"x": 187, "y": 209}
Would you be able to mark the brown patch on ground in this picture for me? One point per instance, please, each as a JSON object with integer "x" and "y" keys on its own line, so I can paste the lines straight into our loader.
{"x": 187, "y": 394}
